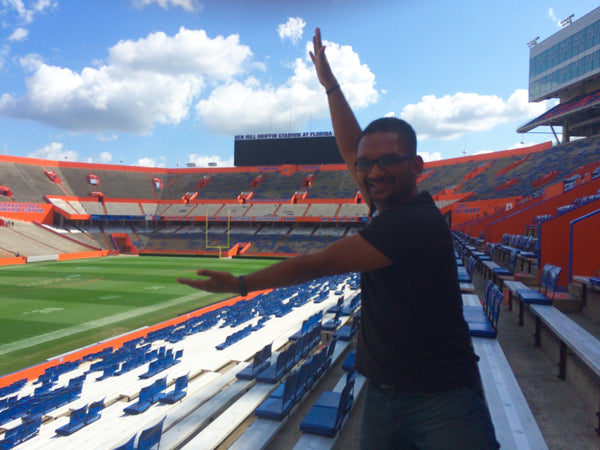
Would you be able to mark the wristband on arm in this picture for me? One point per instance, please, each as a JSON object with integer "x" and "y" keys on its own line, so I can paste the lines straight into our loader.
{"x": 242, "y": 286}
{"x": 332, "y": 89}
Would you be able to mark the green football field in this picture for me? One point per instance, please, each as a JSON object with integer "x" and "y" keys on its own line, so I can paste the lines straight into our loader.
{"x": 51, "y": 308}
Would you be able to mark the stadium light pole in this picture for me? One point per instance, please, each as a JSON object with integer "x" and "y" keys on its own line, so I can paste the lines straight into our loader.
{"x": 567, "y": 21}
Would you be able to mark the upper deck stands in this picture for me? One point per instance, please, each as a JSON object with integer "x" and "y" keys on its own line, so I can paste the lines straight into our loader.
{"x": 275, "y": 185}
{"x": 28, "y": 183}
{"x": 330, "y": 184}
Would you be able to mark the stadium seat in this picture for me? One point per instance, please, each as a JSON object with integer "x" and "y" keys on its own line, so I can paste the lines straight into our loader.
{"x": 326, "y": 415}
{"x": 178, "y": 392}
{"x": 279, "y": 403}
{"x": 151, "y": 436}
{"x": 76, "y": 422}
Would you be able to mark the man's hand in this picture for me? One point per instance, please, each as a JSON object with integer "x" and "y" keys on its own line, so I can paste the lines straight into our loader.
{"x": 324, "y": 73}
{"x": 216, "y": 281}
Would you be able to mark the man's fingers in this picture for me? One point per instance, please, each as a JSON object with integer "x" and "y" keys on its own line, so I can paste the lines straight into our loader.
{"x": 206, "y": 272}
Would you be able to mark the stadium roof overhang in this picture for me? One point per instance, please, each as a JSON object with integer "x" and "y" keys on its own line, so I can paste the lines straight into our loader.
{"x": 581, "y": 115}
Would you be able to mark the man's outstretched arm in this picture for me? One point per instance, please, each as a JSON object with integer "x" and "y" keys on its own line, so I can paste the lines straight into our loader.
{"x": 345, "y": 126}
{"x": 350, "y": 254}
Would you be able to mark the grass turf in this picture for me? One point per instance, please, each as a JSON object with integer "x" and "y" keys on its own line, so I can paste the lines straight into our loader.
{"x": 51, "y": 308}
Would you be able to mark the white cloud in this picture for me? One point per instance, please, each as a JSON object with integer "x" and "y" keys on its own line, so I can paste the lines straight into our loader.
{"x": 156, "y": 81}
{"x": 427, "y": 157}
{"x": 553, "y": 18}
{"x": 292, "y": 29}
{"x": 151, "y": 162}
{"x": 450, "y": 117}
{"x": 204, "y": 160}
{"x": 188, "y": 5}
{"x": 188, "y": 52}
{"x": 145, "y": 82}
{"x": 18, "y": 35}
{"x": 31, "y": 62}
{"x": 105, "y": 157}
{"x": 249, "y": 106}
{"x": 54, "y": 152}
{"x": 26, "y": 14}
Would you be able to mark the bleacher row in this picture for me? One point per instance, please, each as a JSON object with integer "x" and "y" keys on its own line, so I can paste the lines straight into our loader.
{"x": 514, "y": 423}
{"x": 544, "y": 307}
{"x": 234, "y": 210}
{"x": 147, "y": 388}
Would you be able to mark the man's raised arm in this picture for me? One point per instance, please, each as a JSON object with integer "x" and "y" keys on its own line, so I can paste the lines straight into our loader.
{"x": 345, "y": 125}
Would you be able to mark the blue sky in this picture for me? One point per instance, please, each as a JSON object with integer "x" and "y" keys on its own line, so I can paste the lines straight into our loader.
{"x": 168, "y": 82}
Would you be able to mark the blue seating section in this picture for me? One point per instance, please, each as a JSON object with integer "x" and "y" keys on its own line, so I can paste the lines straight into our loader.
{"x": 39, "y": 403}
{"x": 333, "y": 323}
{"x": 280, "y": 402}
{"x": 261, "y": 360}
{"x": 148, "y": 396}
{"x": 327, "y": 414}
{"x": 287, "y": 394}
{"x": 548, "y": 282}
{"x": 76, "y": 422}
{"x": 308, "y": 325}
{"x": 526, "y": 246}
{"x": 348, "y": 331}
{"x": 348, "y": 364}
{"x": 463, "y": 275}
{"x": 352, "y": 305}
{"x": 483, "y": 321}
{"x": 151, "y": 436}
{"x": 129, "y": 445}
{"x": 163, "y": 362}
{"x": 81, "y": 417}
{"x": 178, "y": 392}
{"x": 26, "y": 430}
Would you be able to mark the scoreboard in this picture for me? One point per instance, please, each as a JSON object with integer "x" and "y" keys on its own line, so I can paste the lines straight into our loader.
{"x": 286, "y": 148}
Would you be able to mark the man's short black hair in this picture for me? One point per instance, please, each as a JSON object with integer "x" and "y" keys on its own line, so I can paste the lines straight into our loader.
{"x": 403, "y": 129}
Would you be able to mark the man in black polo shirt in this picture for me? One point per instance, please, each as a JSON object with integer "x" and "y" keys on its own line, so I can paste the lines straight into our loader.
{"x": 413, "y": 345}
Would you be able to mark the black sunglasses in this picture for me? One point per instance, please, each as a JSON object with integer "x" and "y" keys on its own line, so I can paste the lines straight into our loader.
{"x": 385, "y": 161}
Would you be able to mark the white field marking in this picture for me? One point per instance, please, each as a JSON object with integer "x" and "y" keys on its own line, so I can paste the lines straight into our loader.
{"x": 43, "y": 311}
{"x": 109, "y": 297}
{"x": 35, "y": 340}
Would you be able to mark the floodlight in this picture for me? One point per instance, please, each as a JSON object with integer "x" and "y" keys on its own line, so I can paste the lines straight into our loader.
{"x": 533, "y": 42}
{"x": 567, "y": 21}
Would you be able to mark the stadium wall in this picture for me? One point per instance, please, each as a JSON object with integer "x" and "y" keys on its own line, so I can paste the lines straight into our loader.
{"x": 82, "y": 255}
{"x": 554, "y": 236}
{"x": 584, "y": 245}
{"x": 463, "y": 212}
{"x": 27, "y": 212}
{"x": 517, "y": 222}
{"x": 10, "y": 261}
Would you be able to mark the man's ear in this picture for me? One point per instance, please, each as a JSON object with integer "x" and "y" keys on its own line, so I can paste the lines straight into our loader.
{"x": 416, "y": 165}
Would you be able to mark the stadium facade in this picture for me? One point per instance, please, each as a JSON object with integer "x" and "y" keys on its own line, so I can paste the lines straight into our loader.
{"x": 566, "y": 66}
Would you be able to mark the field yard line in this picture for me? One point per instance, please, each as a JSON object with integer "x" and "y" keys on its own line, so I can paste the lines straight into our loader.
{"x": 35, "y": 340}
